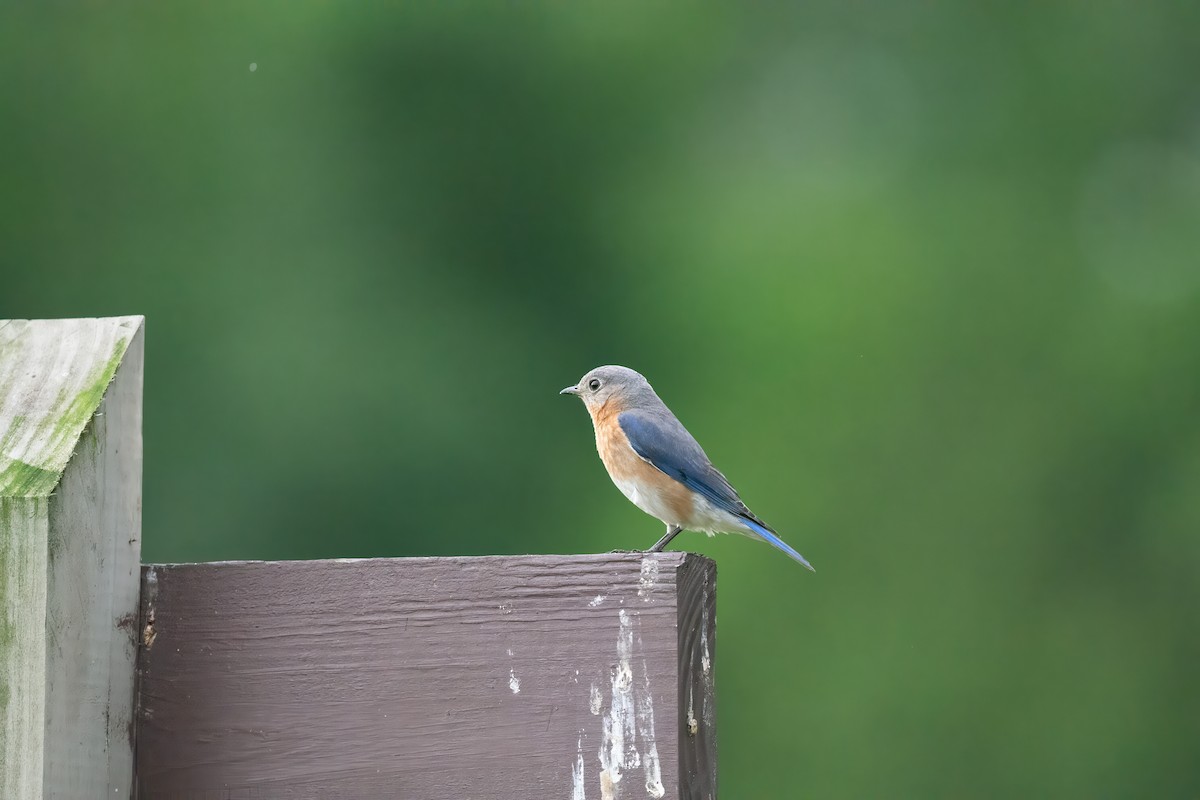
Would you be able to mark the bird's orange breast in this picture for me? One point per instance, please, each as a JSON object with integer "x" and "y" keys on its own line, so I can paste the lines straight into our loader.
{"x": 644, "y": 484}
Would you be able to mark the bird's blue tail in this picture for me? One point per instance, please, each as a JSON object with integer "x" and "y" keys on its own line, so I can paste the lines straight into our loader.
{"x": 763, "y": 532}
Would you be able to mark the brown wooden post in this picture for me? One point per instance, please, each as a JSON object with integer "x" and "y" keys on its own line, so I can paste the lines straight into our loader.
{"x": 498, "y": 678}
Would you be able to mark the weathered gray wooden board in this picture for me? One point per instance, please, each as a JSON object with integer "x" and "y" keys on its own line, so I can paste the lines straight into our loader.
{"x": 70, "y": 545}
{"x": 502, "y": 677}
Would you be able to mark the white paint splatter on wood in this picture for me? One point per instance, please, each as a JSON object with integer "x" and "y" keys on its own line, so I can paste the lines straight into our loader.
{"x": 444, "y": 707}
{"x": 578, "y": 785}
{"x": 707, "y": 702}
{"x": 692, "y": 725}
{"x": 608, "y": 789}
{"x": 618, "y": 747}
{"x": 630, "y": 718}
{"x": 647, "y": 579}
{"x": 645, "y": 725}
{"x": 514, "y": 683}
{"x": 597, "y": 600}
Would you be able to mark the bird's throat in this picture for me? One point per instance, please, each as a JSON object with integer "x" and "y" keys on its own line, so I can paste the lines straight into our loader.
{"x": 607, "y": 412}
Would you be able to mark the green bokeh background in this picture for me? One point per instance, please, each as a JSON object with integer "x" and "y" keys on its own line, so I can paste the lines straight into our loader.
{"x": 923, "y": 278}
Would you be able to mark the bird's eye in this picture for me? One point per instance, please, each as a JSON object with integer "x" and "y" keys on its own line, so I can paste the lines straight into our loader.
{"x": 594, "y": 384}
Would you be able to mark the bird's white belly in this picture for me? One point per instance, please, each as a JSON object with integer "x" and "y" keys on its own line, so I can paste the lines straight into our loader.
{"x": 648, "y": 499}
{"x": 710, "y": 519}
{"x": 703, "y": 516}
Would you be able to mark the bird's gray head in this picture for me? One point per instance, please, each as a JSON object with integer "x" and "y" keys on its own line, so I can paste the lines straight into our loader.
{"x": 613, "y": 387}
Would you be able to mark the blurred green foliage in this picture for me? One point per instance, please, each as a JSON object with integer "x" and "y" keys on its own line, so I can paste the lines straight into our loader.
{"x": 924, "y": 278}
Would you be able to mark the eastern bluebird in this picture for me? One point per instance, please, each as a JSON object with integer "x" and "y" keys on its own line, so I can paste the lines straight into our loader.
{"x": 657, "y": 464}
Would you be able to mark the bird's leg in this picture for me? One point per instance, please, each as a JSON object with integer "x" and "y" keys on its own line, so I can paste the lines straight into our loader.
{"x": 672, "y": 532}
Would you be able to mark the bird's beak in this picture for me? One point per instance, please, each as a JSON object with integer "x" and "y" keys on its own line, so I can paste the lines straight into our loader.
{"x": 570, "y": 390}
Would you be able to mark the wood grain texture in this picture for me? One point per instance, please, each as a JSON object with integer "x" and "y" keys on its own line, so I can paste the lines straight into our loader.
{"x": 485, "y": 678}
{"x": 70, "y": 534}
{"x": 697, "y": 689}
{"x": 53, "y": 375}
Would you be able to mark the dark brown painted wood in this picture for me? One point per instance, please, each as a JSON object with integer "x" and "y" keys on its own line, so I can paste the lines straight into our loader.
{"x": 576, "y": 677}
{"x": 697, "y": 581}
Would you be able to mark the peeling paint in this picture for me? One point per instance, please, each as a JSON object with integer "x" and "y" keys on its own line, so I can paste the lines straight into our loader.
{"x": 618, "y": 747}
{"x": 645, "y": 725}
{"x": 707, "y": 712}
{"x": 578, "y": 787}
{"x": 608, "y": 789}
{"x": 647, "y": 578}
{"x": 151, "y": 595}
{"x": 692, "y": 725}
{"x": 629, "y": 721}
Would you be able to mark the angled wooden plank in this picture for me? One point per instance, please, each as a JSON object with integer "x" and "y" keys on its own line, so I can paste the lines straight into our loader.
{"x": 70, "y": 534}
{"x": 490, "y": 678}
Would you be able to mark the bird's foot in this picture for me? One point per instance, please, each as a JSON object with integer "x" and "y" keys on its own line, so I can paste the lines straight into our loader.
{"x": 672, "y": 532}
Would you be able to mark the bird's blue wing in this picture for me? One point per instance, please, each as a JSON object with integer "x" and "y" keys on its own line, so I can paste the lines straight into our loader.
{"x": 666, "y": 444}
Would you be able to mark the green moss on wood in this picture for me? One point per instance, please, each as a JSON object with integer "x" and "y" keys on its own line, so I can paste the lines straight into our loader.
{"x": 62, "y": 431}
{"x": 18, "y": 479}
{"x": 80, "y": 409}
{"x": 23, "y": 524}
{"x": 9, "y": 437}
{"x": 16, "y": 515}
{"x": 7, "y": 545}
